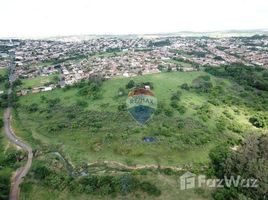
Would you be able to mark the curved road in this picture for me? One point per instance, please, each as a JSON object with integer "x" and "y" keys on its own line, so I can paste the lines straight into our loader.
{"x": 20, "y": 173}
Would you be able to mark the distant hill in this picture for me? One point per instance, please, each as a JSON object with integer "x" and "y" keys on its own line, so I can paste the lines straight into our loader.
{"x": 216, "y": 34}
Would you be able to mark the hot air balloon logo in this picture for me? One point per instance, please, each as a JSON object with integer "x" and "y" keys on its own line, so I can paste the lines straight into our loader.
{"x": 141, "y": 104}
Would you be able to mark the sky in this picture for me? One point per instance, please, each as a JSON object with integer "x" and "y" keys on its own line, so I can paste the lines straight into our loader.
{"x": 45, "y": 18}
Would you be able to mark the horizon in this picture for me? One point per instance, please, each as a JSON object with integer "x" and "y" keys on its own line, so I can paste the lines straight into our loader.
{"x": 226, "y": 33}
{"x": 68, "y": 18}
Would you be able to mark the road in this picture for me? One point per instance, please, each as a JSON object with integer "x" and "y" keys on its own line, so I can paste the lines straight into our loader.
{"x": 20, "y": 173}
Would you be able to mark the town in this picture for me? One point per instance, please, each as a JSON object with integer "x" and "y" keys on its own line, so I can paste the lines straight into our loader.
{"x": 67, "y": 62}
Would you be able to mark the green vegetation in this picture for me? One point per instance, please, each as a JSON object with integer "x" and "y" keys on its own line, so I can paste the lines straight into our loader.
{"x": 159, "y": 43}
{"x": 249, "y": 161}
{"x": 89, "y": 112}
{"x": 180, "y": 63}
{"x": 98, "y": 185}
{"x": 3, "y": 79}
{"x": 39, "y": 81}
{"x": 88, "y": 122}
{"x": 9, "y": 161}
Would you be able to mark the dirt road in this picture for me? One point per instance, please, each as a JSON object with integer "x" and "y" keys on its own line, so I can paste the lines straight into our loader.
{"x": 20, "y": 173}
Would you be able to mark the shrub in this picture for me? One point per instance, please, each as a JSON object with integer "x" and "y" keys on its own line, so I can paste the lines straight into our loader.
{"x": 81, "y": 103}
{"x": 258, "y": 121}
{"x": 150, "y": 188}
{"x": 168, "y": 112}
{"x": 185, "y": 86}
{"x": 181, "y": 124}
{"x": 122, "y": 107}
{"x": 182, "y": 109}
{"x": 32, "y": 108}
{"x": 130, "y": 84}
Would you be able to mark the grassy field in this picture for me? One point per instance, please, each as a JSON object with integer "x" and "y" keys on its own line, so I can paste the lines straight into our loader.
{"x": 38, "y": 81}
{"x": 3, "y": 72}
{"x": 99, "y": 131}
{"x": 180, "y": 63}
{"x": 126, "y": 145}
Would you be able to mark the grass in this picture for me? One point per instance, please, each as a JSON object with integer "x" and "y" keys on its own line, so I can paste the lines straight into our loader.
{"x": 3, "y": 72}
{"x": 110, "y": 89}
{"x": 127, "y": 144}
{"x": 119, "y": 138}
{"x": 38, "y": 81}
{"x": 168, "y": 185}
{"x": 180, "y": 63}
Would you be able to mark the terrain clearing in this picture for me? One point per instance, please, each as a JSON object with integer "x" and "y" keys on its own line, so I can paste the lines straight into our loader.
{"x": 86, "y": 129}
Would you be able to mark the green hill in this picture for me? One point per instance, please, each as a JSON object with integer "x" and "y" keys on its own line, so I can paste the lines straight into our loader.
{"x": 88, "y": 122}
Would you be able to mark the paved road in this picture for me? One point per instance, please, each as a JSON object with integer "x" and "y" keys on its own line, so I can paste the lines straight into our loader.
{"x": 20, "y": 173}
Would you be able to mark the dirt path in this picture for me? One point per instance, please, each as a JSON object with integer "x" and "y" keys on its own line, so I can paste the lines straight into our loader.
{"x": 115, "y": 164}
{"x": 17, "y": 178}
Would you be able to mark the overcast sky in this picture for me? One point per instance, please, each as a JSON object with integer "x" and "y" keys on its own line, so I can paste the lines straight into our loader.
{"x": 37, "y": 18}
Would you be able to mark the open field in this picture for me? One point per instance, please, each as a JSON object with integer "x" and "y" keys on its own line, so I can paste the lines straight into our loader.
{"x": 38, "y": 81}
{"x": 180, "y": 63}
{"x": 116, "y": 136}
{"x": 87, "y": 125}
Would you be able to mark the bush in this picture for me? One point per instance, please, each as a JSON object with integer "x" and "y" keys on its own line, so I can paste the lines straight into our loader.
{"x": 181, "y": 124}
{"x": 4, "y": 184}
{"x": 81, "y": 103}
{"x": 150, "y": 189}
{"x": 185, "y": 86}
{"x": 181, "y": 109}
{"x": 258, "y": 121}
{"x": 174, "y": 104}
{"x": 32, "y": 108}
{"x": 226, "y": 194}
{"x": 127, "y": 183}
{"x": 41, "y": 172}
{"x": 130, "y": 84}
{"x": 202, "y": 84}
{"x": 1, "y": 123}
{"x": 104, "y": 185}
{"x": 122, "y": 107}
{"x": 176, "y": 96}
{"x": 218, "y": 155}
{"x": 168, "y": 112}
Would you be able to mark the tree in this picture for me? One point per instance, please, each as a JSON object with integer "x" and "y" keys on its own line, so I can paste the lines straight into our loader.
{"x": 127, "y": 183}
{"x": 33, "y": 107}
{"x": 4, "y": 185}
{"x": 250, "y": 161}
{"x": 130, "y": 84}
{"x": 217, "y": 156}
{"x": 1, "y": 123}
{"x": 17, "y": 82}
{"x": 185, "y": 86}
{"x": 41, "y": 172}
